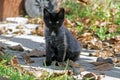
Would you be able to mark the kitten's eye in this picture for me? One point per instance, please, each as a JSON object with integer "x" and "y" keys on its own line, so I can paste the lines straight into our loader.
{"x": 57, "y": 22}
{"x": 50, "y": 22}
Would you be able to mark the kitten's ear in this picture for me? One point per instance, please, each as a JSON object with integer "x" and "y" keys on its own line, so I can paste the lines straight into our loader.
{"x": 46, "y": 13}
{"x": 61, "y": 13}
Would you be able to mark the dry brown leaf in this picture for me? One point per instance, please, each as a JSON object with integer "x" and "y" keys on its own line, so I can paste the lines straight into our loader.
{"x": 19, "y": 27}
{"x": 74, "y": 64}
{"x": 116, "y": 60}
{"x": 67, "y": 10}
{"x": 68, "y": 72}
{"x": 1, "y": 53}
{"x": 117, "y": 37}
{"x": 116, "y": 47}
{"x": 112, "y": 28}
{"x": 2, "y": 48}
{"x": 27, "y": 59}
{"x": 105, "y": 53}
{"x": 38, "y": 31}
{"x": 19, "y": 32}
{"x": 97, "y": 63}
{"x": 89, "y": 76}
{"x": 97, "y": 23}
{"x": 14, "y": 61}
{"x": 104, "y": 67}
{"x": 114, "y": 11}
{"x": 3, "y": 30}
{"x": 16, "y": 48}
{"x": 69, "y": 23}
{"x": 86, "y": 20}
{"x": 36, "y": 21}
{"x": 99, "y": 77}
{"x": 86, "y": 38}
{"x": 96, "y": 45}
{"x": 82, "y": 69}
{"x": 84, "y": 2}
{"x": 39, "y": 73}
{"x": 36, "y": 53}
{"x": 62, "y": 64}
{"x": 106, "y": 44}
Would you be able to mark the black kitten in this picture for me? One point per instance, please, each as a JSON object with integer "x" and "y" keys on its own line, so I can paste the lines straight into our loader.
{"x": 60, "y": 44}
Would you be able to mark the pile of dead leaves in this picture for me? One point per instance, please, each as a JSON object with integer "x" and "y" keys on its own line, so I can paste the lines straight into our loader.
{"x": 39, "y": 30}
{"x": 103, "y": 64}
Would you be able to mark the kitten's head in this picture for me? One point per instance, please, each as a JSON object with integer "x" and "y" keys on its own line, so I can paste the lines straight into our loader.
{"x": 53, "y": 20}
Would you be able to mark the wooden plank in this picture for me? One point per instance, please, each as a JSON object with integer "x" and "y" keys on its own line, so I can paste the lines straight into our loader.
{"x": 11, "y": 8}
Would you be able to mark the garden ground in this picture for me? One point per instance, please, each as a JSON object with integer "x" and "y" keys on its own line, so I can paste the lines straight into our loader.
{"x": 31, "y": 42}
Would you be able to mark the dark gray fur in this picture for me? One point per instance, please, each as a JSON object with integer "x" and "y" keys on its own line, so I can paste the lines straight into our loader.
{"x": 60, "y": 43}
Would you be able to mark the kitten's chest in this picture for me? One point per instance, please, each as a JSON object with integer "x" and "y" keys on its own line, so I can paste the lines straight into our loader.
{"x": 54, "y": 40}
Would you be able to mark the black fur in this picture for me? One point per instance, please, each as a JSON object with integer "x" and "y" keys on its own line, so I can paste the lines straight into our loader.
{"x": 60, "y": 43}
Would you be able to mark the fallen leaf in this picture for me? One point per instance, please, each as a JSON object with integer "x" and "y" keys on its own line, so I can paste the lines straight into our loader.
{"x": 36, "y": 53}
{"x": 14, "y": 61}
{"x": 19, "y": 27}
{"x": 84, "y": 2}
{"x": 95, "y": 45}
{"x": 61, "y": 64}
{"x": 39, "y": 73}
{"x": 104, "y": 67}
{"x": 67, "y": 10}
{"x": 99, "y": 77}
{"x": 117, "y": 64}
{"x": 116, "y": 59}
{"x": 68, "y": 72}
{"x": 105, "y": 53}
{"x": 36, "y": 21}
{"x": 112, "y": 28}
{"x": 106, "y": 45}
{"x": 68, "y": 23}
{"x": 86, "y": 20}
{"x": 1, "y": 53}
{"x": 89, "y": 76}
{"x": 38, "y": 31}
{"x": 97, "y": 63}
{"x": 27, "y": 59}
{"x": 16, "y": 48}
{"x": 73, "y": 64}
{"x": 19, "y": 32}
{"x": 116, "y": 47}
{"x": 2, "y": 48}
{"x": 82, "y": 69}
{"x": 3, "y": 30}
{"x": 113, "y": 11}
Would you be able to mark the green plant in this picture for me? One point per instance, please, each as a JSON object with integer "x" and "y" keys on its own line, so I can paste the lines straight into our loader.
{"x": 13, "y": 73}
{"x": 59, "y": 76}
{"x": 97, "y": 10}
{"x": 6, "y": 57}
{"x": 101, "y": 32}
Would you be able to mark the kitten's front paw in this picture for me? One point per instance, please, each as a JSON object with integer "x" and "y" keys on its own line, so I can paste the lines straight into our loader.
{"x": 47, "y": 63}
{"x": 62, "y": 64}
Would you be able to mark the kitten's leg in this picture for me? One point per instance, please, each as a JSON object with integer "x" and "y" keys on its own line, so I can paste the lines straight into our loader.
{"x": 74, "y": 56}
{"x": 61, "y": 53}
{"x": 49, "y": 53}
